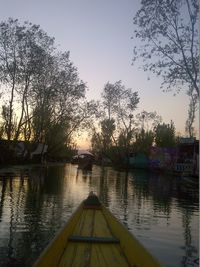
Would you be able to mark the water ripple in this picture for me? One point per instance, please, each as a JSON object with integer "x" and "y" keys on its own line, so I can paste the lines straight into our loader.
{"x": 158, "y": 210}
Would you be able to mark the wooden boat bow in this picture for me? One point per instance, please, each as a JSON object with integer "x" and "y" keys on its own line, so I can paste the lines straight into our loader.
{"x": 94, "y": 237}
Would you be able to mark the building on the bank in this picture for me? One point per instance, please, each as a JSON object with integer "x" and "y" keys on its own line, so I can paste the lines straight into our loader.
{"x": 17, "y": 151}
{"x": 187, "y": 157}
{"x": 182, "y": 159}
{"x": 162, "y": 158}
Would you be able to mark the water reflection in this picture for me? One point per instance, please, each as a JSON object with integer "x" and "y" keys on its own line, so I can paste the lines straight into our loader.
{"x": 161, "y": 211}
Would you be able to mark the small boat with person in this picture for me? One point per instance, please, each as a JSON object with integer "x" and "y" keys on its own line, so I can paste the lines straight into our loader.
{"x": 94, "y": 237}
{"x": 84, "y": 159}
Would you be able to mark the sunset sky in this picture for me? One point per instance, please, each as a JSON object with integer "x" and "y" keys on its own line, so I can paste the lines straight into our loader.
{"x": 98, "y": 35}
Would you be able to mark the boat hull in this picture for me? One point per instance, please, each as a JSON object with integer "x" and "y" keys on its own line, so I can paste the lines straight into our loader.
{"x": 94, "y": 237}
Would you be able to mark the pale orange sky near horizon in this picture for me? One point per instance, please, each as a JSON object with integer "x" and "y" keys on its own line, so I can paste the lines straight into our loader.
{"x": 98, "y": 36}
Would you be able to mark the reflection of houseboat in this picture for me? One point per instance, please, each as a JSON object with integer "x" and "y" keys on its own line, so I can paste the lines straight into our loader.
{"x": 84, "y": 159}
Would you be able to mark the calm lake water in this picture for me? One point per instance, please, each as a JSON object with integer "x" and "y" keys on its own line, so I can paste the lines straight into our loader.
{"x": 161, "y": 211}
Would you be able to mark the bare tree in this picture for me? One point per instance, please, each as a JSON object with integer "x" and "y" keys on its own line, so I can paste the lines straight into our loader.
{"x": 22, "y": 49}
{"x": 191, "y": 116}
{"x": 118, "y": 123}
{"x": 148, "y": 120}
{"x": 42, "y": 83}
{"x": 169, "y": 30}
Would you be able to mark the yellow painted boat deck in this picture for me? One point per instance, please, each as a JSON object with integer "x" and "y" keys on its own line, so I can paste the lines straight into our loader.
{"x": 92, "y": 223}
{"x": 93, "y": 237}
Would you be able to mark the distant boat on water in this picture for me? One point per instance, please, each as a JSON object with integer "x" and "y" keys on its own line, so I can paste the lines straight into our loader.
{"x": 84, "y": 159}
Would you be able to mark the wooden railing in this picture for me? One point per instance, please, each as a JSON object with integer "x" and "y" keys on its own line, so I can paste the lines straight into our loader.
{"x": 184, "y": 167}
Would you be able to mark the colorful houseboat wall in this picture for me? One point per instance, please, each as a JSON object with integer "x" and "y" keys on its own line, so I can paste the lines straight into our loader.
{"x": 138, "y": 160}
{"x": 188, "y": 157}
{"x": 162, "y": 158}
{"x": 181, "y": 160}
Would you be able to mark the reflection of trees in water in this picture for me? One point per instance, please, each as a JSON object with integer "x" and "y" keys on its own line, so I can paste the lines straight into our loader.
{"x": 161, "y": 188}
{"x": 3, "y": 190}
{"x": 187, "y": 193}
{"x": 34, "y": 210}
{"x": 86, "y": 174}
{"x": 125, "y": 198}
{"x": 12, "y": 198}
{"x": 191, "y": 251}
{"x": 187, "y": 203}
{"x": 83, "y": 175}
{"x": 161, "y": 191}
{"x": 143, "y": 197}
{"x": 114, "y": 187}
{"x": 11, "y": 228}
{"x": 103, "y": 191}
{"x": 34, "y": 204}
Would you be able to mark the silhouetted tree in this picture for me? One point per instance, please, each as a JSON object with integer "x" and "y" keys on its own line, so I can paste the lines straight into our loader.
{"x": 170, "y": 32}
{"x": 58, "y": 96}
{"x": 118, "y": 124}
{"x": 96, "y": 143}
{"x": 43, "y": 84}
{"x": 148, "y": 120}
{"x": 191, "y": 116}
{"x": 165, "y": 135}
{"x": 107, "y": 131}
{"x": 22, "y": 48}
{"x": 143, "y": 141}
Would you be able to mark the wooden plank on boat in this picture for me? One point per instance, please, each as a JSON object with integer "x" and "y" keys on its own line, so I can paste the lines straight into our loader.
{"x": 76, "y": 254}
{"x": 85, "y": 226}
{"x": 101, "y": 227}
{"x": 108, "y": 256}
{"x": 93, "y": 239}
{"x": 131, "y": 247}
